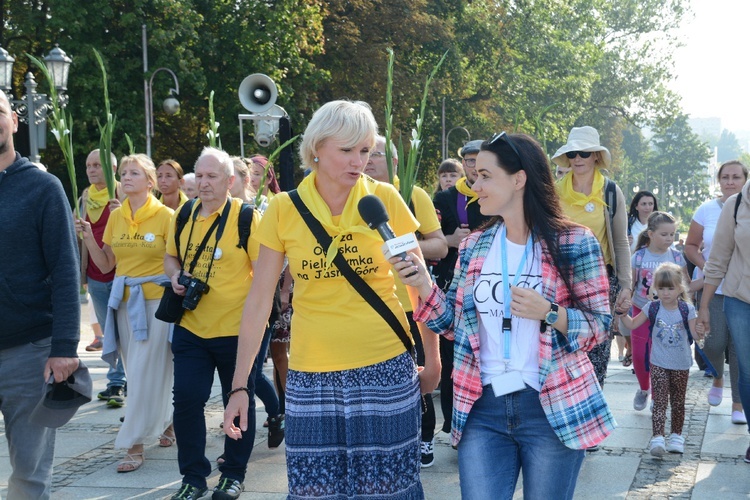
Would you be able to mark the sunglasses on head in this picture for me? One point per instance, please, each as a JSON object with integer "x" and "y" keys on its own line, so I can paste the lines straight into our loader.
{"x": 582, "y": 154}
{"x": 508, "y": 141}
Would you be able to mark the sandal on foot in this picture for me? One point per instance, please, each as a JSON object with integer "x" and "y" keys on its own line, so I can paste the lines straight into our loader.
{"x": 627, "y": 360}
{"x": 165, "y": 440}
{"x": 130, "y": 463}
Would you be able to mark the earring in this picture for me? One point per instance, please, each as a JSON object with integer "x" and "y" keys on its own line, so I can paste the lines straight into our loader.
{"x": 316, "y": 159}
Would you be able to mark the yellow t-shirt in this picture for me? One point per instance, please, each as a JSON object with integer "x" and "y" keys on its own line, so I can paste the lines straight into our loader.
{"x": 593, "y": 220}
{"x": 334, "y": 328}
{"x": 424, "y": 211}
{"x": 219, "y": 311}
{"x": 143, "y": 253}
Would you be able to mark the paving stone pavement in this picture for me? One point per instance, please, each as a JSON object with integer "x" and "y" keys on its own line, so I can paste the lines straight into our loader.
{"x": 712, "y": 467}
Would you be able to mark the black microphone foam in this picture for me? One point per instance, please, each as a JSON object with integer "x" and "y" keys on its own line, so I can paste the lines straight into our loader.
{"x": 372, "y": 211}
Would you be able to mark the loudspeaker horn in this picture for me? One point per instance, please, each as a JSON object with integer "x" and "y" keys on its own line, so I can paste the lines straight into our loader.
{"x": 258, "y": 93}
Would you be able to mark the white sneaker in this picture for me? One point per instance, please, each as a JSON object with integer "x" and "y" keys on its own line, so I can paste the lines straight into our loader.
{"x": 676, "y": 443}
{"x": 639, "y": 401}
{"x": 738, "y": 417}
{"x": 656, "y": 446}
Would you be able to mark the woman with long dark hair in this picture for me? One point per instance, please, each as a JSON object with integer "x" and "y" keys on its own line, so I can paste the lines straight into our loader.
{"x": 643, "y": 204}
{"x": 530, "y": 299}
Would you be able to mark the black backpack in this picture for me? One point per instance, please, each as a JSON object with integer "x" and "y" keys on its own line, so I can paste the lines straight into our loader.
{"x": 244, "y": 221}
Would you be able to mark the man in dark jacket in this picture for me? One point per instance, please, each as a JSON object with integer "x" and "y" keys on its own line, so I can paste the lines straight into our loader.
{"x": 39, "y": 307}
{"x": 459, "y": 216}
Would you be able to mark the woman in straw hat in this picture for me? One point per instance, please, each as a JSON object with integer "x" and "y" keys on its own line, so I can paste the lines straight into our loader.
{"x": 590, "y": 199}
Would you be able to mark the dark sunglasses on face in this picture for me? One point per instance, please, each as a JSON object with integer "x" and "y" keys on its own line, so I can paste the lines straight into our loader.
{"x": 506, "y": 137}
{"x": 582, "y": 154}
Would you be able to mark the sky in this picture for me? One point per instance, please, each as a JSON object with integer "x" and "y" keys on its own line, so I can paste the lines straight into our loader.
{"x": 713, "y": 75}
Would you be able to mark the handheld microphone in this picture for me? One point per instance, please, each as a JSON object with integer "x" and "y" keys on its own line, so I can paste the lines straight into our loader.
{"x": 373, "y": 212}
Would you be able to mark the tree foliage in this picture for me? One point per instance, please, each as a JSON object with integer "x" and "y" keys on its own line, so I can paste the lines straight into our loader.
{"x": 535, "y": 66}
{"x": 728, "y": 147}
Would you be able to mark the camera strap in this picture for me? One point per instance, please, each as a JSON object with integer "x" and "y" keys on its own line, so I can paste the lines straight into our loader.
{"x": 218, "y": 225}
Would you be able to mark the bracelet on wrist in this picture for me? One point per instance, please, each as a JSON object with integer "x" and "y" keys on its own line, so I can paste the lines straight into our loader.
{"x": 238, "y": 389}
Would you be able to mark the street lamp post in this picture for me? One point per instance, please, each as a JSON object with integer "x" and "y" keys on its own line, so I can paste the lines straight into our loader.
{"x": 170, "y": 105}
{"x": 446, "y": 141}
{"x": 33, "y": 107}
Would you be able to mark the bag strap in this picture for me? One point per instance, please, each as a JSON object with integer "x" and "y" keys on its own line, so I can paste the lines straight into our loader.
{"x": 359, "y": 284}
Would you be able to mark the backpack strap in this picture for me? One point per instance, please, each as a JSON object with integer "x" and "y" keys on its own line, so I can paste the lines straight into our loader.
{"x": 182, "y": 217}
{"x": 685, "y": 312}
{"x": 244, "y": 221}
{"x": 631, "y": 221}
{"x": 737, "y": 206}
{"x": 610, "y": 197}
{"x": 653, "y": 310}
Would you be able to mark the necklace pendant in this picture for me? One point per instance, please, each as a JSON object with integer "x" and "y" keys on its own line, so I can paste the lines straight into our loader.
{"x": 589, "y": 207}
{"x": 218, "y": 253}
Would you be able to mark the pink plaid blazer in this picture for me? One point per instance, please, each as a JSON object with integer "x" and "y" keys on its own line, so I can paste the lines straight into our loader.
{"x": 570, "y": 394}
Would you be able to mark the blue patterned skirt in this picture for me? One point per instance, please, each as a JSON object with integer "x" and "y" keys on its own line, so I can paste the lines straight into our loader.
{"x": 354, "y": 433}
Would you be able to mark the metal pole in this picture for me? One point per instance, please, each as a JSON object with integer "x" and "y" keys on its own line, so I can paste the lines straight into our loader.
{"x": 445, "y": 148}
{"x": 146, "y": 91}
{"x": 30, "y": 98}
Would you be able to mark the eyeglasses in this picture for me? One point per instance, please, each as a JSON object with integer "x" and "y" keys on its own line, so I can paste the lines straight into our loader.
{"x": 506, "y": 137}
{"x": 470, "y": 162}
{"x": 376, "y": 154}
{"x": 582, "y": 154}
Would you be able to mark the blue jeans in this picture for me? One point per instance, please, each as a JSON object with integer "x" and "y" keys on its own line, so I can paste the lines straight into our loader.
{"x": 263, "y": 385}
{"x": 99, "y": 292}
{"x": 737, "y": 313}
{"x": 195, "y": 360}
{"x": 506, "y": 434}
{"x": 31, "y": 447}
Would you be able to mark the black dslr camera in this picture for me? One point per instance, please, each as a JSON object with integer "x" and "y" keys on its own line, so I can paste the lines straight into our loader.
{"x": 195, "y": 289}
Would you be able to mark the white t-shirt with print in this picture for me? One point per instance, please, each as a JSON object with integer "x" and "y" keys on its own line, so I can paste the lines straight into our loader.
{"x": 645, "y": 271}
{"x": 489, "y": 301}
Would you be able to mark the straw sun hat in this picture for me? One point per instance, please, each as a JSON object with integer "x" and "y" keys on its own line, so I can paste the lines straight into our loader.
{"x": 582, "y": 139}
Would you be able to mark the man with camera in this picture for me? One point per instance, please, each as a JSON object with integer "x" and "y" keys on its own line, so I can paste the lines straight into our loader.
{"x": 210, "y": 264}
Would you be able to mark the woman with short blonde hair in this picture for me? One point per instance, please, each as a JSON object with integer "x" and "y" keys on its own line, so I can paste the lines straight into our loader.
{"x": 353, "y": 399}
